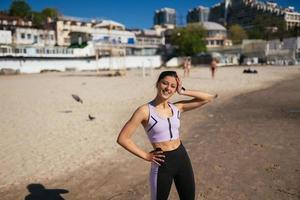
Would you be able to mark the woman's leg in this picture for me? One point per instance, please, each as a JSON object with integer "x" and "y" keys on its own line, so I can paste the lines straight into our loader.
{"x": 160, "y": 182}
{"x": 184, "y": 179}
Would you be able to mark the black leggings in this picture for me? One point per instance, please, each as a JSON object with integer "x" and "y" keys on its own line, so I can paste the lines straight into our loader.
{"x": 177, "y": 167}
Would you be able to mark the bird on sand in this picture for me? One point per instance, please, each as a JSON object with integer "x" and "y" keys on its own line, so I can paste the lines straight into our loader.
{"x": 91, "y": 117}
{"x": 77, "y": 98}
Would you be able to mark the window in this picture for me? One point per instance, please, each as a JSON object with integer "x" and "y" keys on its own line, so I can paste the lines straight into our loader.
{"x": 23, "y": 35}
{"x": 35, "y": 39}
{"x": 29, "y": 36}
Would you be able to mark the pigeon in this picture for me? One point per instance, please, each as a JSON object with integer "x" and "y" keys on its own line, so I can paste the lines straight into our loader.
{"x": 77, "y": 98}
{"x": 91, "y": 117}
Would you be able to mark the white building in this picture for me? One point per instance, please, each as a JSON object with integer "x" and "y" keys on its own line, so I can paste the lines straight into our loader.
{"x": 5, "y": 37}
{"x": 292, "y": 19}
{"x": 6, "y": 22}
{"x": 285, "y": 52}
{"x": 66, "y": 25}
{"x": 148, "y": 41}
{"x": 32, "y": 36}
{"x": 216, "y": 35}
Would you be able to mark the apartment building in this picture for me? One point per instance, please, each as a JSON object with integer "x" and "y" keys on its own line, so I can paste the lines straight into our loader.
{"x": 198, "y": 14}
{"x": 165, "y": 17}
{"x": 243, "y": 12}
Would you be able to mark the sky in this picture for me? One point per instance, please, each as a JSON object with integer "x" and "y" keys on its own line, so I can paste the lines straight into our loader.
{"x": 131, "y": 13}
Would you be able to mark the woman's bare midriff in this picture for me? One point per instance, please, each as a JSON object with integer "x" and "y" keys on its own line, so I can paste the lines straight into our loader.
{"x": 168, "y": 145}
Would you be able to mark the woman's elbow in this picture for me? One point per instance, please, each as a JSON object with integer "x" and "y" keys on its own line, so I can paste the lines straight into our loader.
{"x": 211, "y": 98}
{"x": 121, "y": 140}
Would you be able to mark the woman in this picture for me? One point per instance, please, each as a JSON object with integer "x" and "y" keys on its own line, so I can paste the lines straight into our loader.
{"x": 213, "y": 67}
{"x": 187, "y": 67}
{"x": 161, "y": 121}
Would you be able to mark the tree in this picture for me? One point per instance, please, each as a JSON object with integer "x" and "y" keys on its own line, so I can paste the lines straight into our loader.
{"x": 268, "y": 27}
{"x": 50, "y": 12}
{"x": 237, "y": 34}
{"x": 189, "y": 40}
{"x": 255, "y": 33}
{"x": 20, "y": 8}
{"x": 37, "y": 19}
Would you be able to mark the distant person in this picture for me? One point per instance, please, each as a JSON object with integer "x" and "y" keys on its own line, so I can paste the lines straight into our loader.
{"x": 213, "y": 67}
{"x": 161, "y": 121}
{"x": 186, "y": 66}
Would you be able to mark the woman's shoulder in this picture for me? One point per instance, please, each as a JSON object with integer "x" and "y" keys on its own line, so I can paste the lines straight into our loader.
{"x": 143, "y": 109}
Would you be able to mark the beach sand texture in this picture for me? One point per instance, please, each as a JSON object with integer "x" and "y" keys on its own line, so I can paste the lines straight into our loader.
{"x": 47, "y": 137}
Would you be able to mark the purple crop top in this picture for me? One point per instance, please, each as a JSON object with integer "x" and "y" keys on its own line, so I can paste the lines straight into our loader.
{"x": 161, "y": 129}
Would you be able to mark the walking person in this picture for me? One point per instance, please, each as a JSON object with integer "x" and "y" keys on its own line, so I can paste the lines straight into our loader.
{"x": 186, "y": 67}
{"x": 161, "y": 121}
{"x": 213, "y": 67}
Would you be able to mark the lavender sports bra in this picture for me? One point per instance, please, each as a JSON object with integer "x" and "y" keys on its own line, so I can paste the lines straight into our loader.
{"x": 162, "y": 129}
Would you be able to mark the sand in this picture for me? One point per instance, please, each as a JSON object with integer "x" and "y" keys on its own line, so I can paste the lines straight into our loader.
{"x": 47, "y": 137}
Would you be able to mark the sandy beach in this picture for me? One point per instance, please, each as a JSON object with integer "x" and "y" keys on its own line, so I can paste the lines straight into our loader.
{"x": 242, "y": 146}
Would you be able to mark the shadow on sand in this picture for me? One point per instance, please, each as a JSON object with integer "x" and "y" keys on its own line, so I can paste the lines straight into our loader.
{"x": 39, "y": 192}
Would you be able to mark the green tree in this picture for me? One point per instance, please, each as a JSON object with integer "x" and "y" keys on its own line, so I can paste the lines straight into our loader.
{"x": 266, "y": 26}
{"x": 237, "y": 34}
{"x": 255, "y": 33}
{"x": 37, "y": 19}
{"x": 189, "y": 40}
{"x": 50, "y": 12}
{"x": 20, "y": 8}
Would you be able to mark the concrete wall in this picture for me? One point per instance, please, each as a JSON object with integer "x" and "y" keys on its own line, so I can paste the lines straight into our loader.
{"x": 36, "y": 65}
{"x": 5, "y": 37}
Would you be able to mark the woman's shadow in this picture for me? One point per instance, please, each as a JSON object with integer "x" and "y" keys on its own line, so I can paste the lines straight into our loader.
{"x": 39, "y": 192}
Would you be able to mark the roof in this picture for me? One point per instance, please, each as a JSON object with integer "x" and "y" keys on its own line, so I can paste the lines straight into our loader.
{"x": 212, "y": 26}
{"x": 105, "y": 23}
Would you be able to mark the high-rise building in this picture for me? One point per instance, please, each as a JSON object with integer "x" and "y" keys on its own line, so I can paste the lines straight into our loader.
{"x": 165, "y": 17}
{"x": 198, "y": 14}
{"x": 243, "y": 12}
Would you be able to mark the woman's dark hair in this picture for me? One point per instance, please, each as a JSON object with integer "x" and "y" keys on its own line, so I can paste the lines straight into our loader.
{"x": 166, "y": 73}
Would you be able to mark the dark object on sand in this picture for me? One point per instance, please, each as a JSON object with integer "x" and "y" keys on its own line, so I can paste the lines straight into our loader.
{"x": 249, "y": 71}
{"x": 77, "y": 98}
{"x": 38, "y": 191}
{"x": 8, "y": 71}
{"x": 91, "y": 117}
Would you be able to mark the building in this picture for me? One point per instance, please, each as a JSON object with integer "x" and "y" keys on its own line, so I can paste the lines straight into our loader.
{"x": 292, "y": 19}
{"x": 5, "y": 37}
{"x": 65, "y": 25}
{"x": 9, "y": 22}
{"x": 33, "y": 36}
{"x": 165, "y": 17}
{"x": 243, "y": 12}
{"x": 22, "y": 32}
{"x": 198, "y": 14}
{"x": 217, "y": 13}
{"x": 216, "y": 35}
{"x": 148, "y": 42}
{"x": 285, "y": 52}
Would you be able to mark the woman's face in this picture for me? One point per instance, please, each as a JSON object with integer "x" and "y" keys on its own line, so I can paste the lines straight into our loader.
{"x": 166, "y": 87}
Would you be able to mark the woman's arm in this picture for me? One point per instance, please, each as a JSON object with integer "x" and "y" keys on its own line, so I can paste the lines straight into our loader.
{"x": 200, "y": 98}
{"x": 124, "y": 138}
